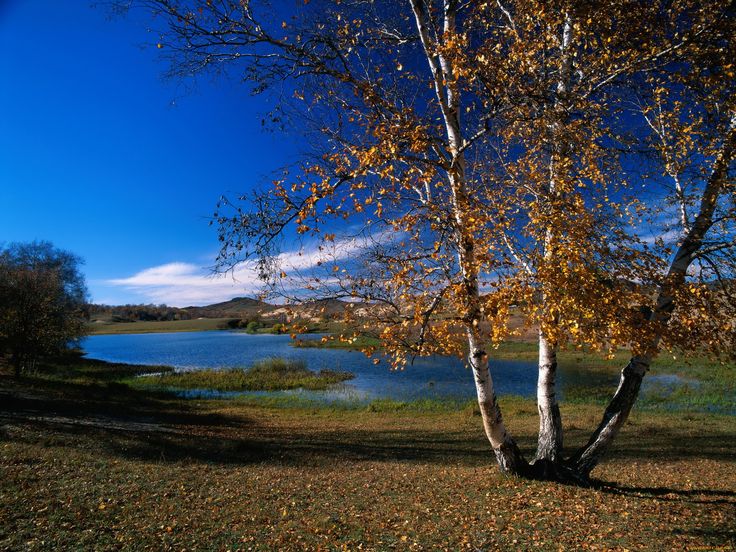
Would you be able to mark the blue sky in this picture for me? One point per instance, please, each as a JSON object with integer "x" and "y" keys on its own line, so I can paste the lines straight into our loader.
{"x": 102, "y": 156}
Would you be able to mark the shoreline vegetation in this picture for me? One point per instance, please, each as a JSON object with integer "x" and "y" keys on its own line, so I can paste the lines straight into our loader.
{"x": 275, "y": 374}
{"x": 203, "y": 325}
{"x": 173, "y": 326}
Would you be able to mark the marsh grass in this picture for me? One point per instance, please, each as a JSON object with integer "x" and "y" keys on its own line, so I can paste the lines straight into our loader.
{"x": 361, "y": 342}
{"x": 72, "y": 367}
{"x": 275, "y": 374}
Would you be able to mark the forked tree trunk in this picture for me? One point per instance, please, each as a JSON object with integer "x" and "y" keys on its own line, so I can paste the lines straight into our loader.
{"x": 549, "y": 442}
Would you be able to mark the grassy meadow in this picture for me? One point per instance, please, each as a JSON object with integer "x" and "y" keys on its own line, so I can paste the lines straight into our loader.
{"x": 88, "y": 462}
{"x": 195, "y": 325}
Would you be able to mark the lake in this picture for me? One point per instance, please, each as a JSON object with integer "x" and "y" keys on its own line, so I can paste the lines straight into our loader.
{"x": 428, "y": 378}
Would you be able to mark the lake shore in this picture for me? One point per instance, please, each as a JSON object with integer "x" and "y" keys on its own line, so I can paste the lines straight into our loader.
{"x": 199, "y": 325}
{"x": 102, "y": 465}
{"x": 694, "y": 384}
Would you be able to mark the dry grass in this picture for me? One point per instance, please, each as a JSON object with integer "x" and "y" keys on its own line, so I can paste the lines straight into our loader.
{"x": 94, "y": 467}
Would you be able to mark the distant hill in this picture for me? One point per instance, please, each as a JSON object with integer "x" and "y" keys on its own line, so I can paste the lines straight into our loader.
{"x": 238, "y": 307}
{"x": 244, "y": 308}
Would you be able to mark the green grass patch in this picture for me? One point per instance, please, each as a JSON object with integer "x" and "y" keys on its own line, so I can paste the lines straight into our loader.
{"x": 359, "y": 343}
{"x": 268, "y": 375}
{"x": 71, "y": 367}
{"x": 197, "y": 325}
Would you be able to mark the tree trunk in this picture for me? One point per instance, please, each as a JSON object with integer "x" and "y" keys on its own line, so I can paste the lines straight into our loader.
{"x": 447, "y": 92}
{"x": 549, "y": 443}
{"x": 614, "y": 417}
{"x": 508, "y": 455}
{"x": 631, "y": 376}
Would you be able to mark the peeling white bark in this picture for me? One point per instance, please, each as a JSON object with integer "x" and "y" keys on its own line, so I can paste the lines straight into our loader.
{"x": 549, "y": 442}
{"x": 507, "y": 453}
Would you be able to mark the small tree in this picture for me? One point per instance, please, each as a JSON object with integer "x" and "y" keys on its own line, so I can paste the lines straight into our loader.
{"x": 42, "y": 302}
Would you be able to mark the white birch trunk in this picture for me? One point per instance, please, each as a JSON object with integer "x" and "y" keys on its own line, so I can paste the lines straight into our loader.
{"x": 507, "y": 453}
{"x": 549, "y": 442}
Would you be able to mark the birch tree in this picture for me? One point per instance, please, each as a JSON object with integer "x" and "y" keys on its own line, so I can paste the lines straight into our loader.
{"x": 479, "y": 152}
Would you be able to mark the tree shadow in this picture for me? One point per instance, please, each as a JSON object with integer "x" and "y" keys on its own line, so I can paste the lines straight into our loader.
{"x": 667, "y": 494}
{"x": 77, "y": 401}
{"x": 668, "y": 444}
{"x": 246, "y": 443}
{"x": 154, "y": 426}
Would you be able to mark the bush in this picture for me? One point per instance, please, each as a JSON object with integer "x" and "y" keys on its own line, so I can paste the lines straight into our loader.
{"x": 43, "y": 301}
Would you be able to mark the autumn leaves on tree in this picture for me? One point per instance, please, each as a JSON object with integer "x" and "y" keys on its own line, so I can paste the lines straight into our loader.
{"x": 574, "y": 160}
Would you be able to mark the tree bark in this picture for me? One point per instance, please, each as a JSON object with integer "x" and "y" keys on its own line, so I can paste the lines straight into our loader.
{"x": 616, "y": 414}
{"x": 549, "y": 442}
{"x": 508, "y": 455}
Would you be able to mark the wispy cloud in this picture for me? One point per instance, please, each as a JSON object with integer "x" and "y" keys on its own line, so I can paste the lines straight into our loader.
{"x": 183, "y": 284}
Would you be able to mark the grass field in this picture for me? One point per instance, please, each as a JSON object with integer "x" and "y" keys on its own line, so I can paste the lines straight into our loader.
{"x": 196, "y": 325}
{"x": 89, "y": 463}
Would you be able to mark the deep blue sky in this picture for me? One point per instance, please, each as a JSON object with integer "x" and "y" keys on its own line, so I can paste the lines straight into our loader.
{"x": 102, "y": 156}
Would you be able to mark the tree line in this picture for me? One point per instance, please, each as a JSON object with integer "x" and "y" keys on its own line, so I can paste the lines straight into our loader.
{"x": 138, "y": 313}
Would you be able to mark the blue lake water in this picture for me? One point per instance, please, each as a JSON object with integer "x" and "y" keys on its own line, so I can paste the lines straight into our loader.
{"x": 427, "y": 378}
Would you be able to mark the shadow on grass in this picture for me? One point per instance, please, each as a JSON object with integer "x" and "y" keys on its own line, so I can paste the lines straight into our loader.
{"x": 49, "y": 399}
{"x": 154, "y": 426}
{"x": 666, "y": 494}
{"x": 636, "y": 443}
{"x": 115, "y": 420}
{"x": 310, "y": 449}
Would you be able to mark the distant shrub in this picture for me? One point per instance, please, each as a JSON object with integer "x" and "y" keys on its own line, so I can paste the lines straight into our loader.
{"x": 252, "y": 326}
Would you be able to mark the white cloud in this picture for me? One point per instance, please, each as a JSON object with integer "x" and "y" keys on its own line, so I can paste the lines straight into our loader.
{"x": 669, "y": 237}
{"x": 183, "y": 284}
